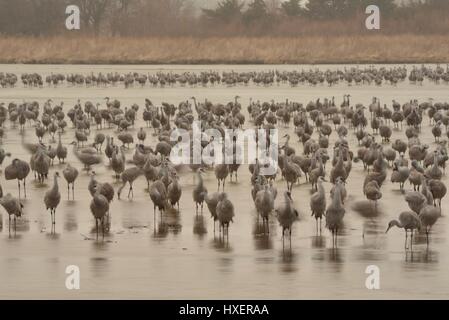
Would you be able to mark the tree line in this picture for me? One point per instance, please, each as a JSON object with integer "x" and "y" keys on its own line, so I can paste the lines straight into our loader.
{"x": 227, "y": 18}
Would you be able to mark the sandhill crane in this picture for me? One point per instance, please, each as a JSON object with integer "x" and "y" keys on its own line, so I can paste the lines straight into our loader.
{"x": 318, "y": 203}
{"x": 109, "y": 149}
{"x": 372, "y": 191}
{"x": 434, "y": 172}
{"x": 98, "y": 141}
{"x": 200, "y": 191}
{"x": 118, "y": 161}
{"x": 415, "y": 200}
{"x": 61, "y": 151}
{"x": 52, "y": 198}
{"x": 438, "y": 190}
{"x": 19, "y": 170}
{"x": 334, "y": 215}
{"x": 211, "y": 202}
{"x": 225, "y": 213}
{"x": 428, "y": 216}
{"x": 99, "y": 206}
{"x": 174, "y": 191}
{"x": 158, "y": 194}
{"x": 221, "y": 173}
{"x": 70, "y": 174}
{"x": 400, "y": 174}
{"x": 128, "y": 176}
{"x": 291, "y": 173}
{"x": 141, "y": 135}
{"x": 41, "y": 164}
{"x": 87, "y": 157}
{"x": 409, "y": 221}
{"x": 264, "y": 202}
{"x": 13, "y": 207}
{"x": 287, "y": 215}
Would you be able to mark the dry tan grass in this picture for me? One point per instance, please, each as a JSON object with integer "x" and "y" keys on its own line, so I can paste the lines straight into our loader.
{"x": 190, "y": 50}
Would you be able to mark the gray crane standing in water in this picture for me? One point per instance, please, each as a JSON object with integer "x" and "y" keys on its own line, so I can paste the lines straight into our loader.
{"x": 334, "y": 215}
{"x": 211, "y": 202}
{"x": 318, "y": 203}
{"x": 225, "y": 213}
{"x": 409, "y": 221}
{"x": 99, "y": 206}
{"x": 52, "y": 198}
{"x": 264, "y": 202}
{"x": 61, "y": 151}
{"x": 110, "y": 148}
{"x": 158, "y": 194}
{"x": 88, "y": 157}
{"x": 19, "y": 170}
{"x": 13, "y": 207}
{"x": 141, "y": 135}
{"x": 287, "y": 215}
{"x": 428, "y": 215}
{"x": 70, "y": 174}
{"x": 200, "y": 191}
{"x": 118, "y": 161}
{"x": 129, "y": 176}
{"x": 221, "y": 173}
{"x": 174, "y": 191}
{"x": 105, "y": 188}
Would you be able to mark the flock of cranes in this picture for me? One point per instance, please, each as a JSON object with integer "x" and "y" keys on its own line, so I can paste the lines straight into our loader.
{"x": 103, "y": 136}
{"x": 311, "y": 76}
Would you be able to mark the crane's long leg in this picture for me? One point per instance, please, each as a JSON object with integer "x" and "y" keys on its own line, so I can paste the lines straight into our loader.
{"x": 405, "y": 245}
{"x": 102, "y": 226}
{"x": 130, "y": 190}
{"x": 73, "y": 190}
{"x": 68, "y": 191}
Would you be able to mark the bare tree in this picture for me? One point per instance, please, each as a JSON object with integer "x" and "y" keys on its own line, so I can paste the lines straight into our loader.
{"x": 93, "y": 12}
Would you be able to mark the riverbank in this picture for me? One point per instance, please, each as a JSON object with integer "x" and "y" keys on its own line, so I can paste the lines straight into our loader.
{"x": 233, "y": 50}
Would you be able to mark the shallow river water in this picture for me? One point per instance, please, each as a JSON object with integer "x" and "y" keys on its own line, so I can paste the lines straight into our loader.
{"x": 180, "y": 257}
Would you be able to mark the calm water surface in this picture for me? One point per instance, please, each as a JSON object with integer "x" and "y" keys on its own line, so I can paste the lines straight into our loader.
{"x": 180, "y": 257}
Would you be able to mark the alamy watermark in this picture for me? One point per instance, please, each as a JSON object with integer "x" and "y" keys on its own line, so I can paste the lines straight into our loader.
{"x": 372, "y": 282}
{"x": 72, "y": 22}
{"x": 262, "y": 147}
{"x": 72, "y": 281}
{"x": 372, "y": 22}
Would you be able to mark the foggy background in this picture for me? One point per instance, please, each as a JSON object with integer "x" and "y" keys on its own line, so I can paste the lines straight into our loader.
{"x": 222, "y": 18}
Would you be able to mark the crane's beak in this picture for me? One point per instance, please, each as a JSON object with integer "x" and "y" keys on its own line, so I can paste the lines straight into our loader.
{"x": 388, "y": 229}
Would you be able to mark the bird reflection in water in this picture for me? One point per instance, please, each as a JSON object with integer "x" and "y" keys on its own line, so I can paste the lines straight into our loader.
{"x": 199, "y": 227}
{"x": 370, "y": 213}
{"x": 318, "y": 241}
{"x": 221, "y": 243}
{"x": 425, "y": 255}
{"x": 169, "y": 222}
{"x": 70, "y": 217}
{"x": 288, "y": 261}
{"x": 262, "y": 240}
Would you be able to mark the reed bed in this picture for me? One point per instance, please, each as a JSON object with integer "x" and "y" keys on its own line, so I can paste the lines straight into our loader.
{"x": 405, "y": 48}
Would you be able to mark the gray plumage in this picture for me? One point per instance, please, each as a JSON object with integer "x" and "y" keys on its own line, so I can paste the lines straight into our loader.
{"x": 70, "y": 174}
{"x": 52, "y": 198}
